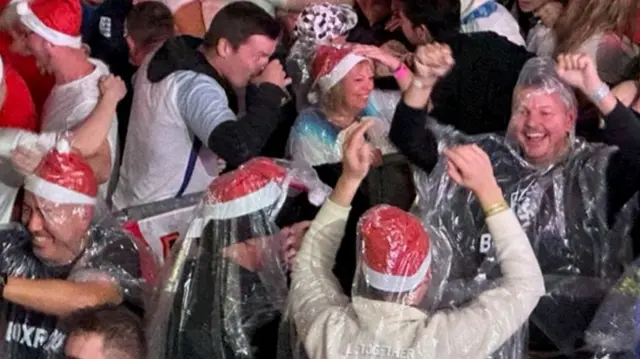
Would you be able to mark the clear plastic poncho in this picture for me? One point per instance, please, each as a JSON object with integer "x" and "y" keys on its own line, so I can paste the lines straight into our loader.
{"x": 563, "y": 209}
{"x": 222, "y": 290}
{"x": 66, "y": 234}
{"x": 316, "y": 141}
{"x": 615, "y": 329}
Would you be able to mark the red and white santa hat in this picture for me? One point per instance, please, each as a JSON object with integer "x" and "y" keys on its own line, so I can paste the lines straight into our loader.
{"x": 63, "y": 177}
{"x": 57, "y": 21}
{"x": 257, "y": 185}
{"x": 396, "y": 251}
{"x": 330, "y": 65}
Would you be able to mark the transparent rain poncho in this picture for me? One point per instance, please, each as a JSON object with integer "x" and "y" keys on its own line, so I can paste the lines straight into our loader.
{"x": 226, "y": 279}
{"x": 563, "y": 209}
{"x": 401, "y": 271}
{"x": 615, "y": 329}
{"x": 62, "y": 216}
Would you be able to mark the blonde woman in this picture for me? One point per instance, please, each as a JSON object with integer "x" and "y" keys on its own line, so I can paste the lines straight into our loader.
{"x": 343, "y": 94}
{"x": 597, "y": 28}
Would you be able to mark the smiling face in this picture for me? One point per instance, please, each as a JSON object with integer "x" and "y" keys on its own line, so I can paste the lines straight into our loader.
{"x": 57, "y": 230}
{"x": 357, "y": 86}
{"x": 541, "y": 123}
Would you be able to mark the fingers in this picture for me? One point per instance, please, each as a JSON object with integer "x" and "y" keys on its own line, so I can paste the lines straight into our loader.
{"x": 458, "y": 157}
{"x": 454, "y": 172}
{"x": 356, "y": 140}
{"x": 466, "y": 157}
{"x": 573, "y": 61}
{"x": 434, "y": 58}
{"x": 301, "y": 227}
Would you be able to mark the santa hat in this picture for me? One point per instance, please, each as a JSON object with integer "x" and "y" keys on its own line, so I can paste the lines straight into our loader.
{"x": 330, "y": 65}
{"x": 396, "y": 251}
{"x": 257, "y": 185}
{"x": 57, "y": 21}
{"x": 1, "y": 70}
{"x": 63, "y": 177}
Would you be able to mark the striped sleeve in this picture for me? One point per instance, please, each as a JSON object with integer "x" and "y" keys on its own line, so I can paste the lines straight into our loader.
{"x": 202, "y": 103}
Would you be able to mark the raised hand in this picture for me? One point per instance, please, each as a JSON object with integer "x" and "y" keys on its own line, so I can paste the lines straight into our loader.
{"x": 470, "y": 167}
{"x": 378, "y": 54}
{"x": 358, "y": 154}
{"x": 112, "y": 87}
{"x": 274, "y": 73}
{"x": 578, "y": 70}
{"x": 432, "y": 62}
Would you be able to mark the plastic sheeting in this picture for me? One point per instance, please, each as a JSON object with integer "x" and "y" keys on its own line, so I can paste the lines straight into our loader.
{"x": 316, "y": 141}
{"x": 227, "y": 280}
{"x": 69, "y": 235}
{"x": 615, "y": 330}
{"x": 108, "y": 255}
{"x": 563, "y": 209}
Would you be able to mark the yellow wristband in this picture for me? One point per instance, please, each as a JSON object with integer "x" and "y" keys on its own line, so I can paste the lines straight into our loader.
{"x": 495, "y": 209}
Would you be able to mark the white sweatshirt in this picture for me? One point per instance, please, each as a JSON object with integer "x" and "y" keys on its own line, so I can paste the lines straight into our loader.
{"x": 330, "y": 326}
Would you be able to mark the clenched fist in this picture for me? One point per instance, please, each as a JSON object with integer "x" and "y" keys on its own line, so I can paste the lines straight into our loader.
{"x": 112, "y": 88}
{"x": 273, "y": 73}
{"x": 432, "y": 62}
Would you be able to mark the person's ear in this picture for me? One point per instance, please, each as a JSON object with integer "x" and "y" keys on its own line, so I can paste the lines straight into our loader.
{"x": 224, "y": 48}
{"x": 423, "y": 33}
{"x": 570, "y": 121}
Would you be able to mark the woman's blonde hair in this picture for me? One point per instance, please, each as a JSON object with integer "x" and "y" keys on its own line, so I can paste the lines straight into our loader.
{"x": 584, "y": 18}
{"x": 333, "y": 100}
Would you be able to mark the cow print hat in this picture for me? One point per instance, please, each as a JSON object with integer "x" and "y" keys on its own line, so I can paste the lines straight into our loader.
{"x": 324, "y": 22}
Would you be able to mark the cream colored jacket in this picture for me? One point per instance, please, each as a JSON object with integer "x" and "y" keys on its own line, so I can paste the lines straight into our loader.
{"x": 330, "y": 326}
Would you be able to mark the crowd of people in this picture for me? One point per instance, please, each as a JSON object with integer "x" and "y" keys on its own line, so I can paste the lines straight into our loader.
{"x": 186, "y": 179}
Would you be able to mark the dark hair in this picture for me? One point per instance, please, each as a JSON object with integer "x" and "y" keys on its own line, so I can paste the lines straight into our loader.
{"x": 237, "y": 22}
{"x": 149, "y": 23}
{"x": 441, "y": 17}
{"x": 120, "y": 329}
